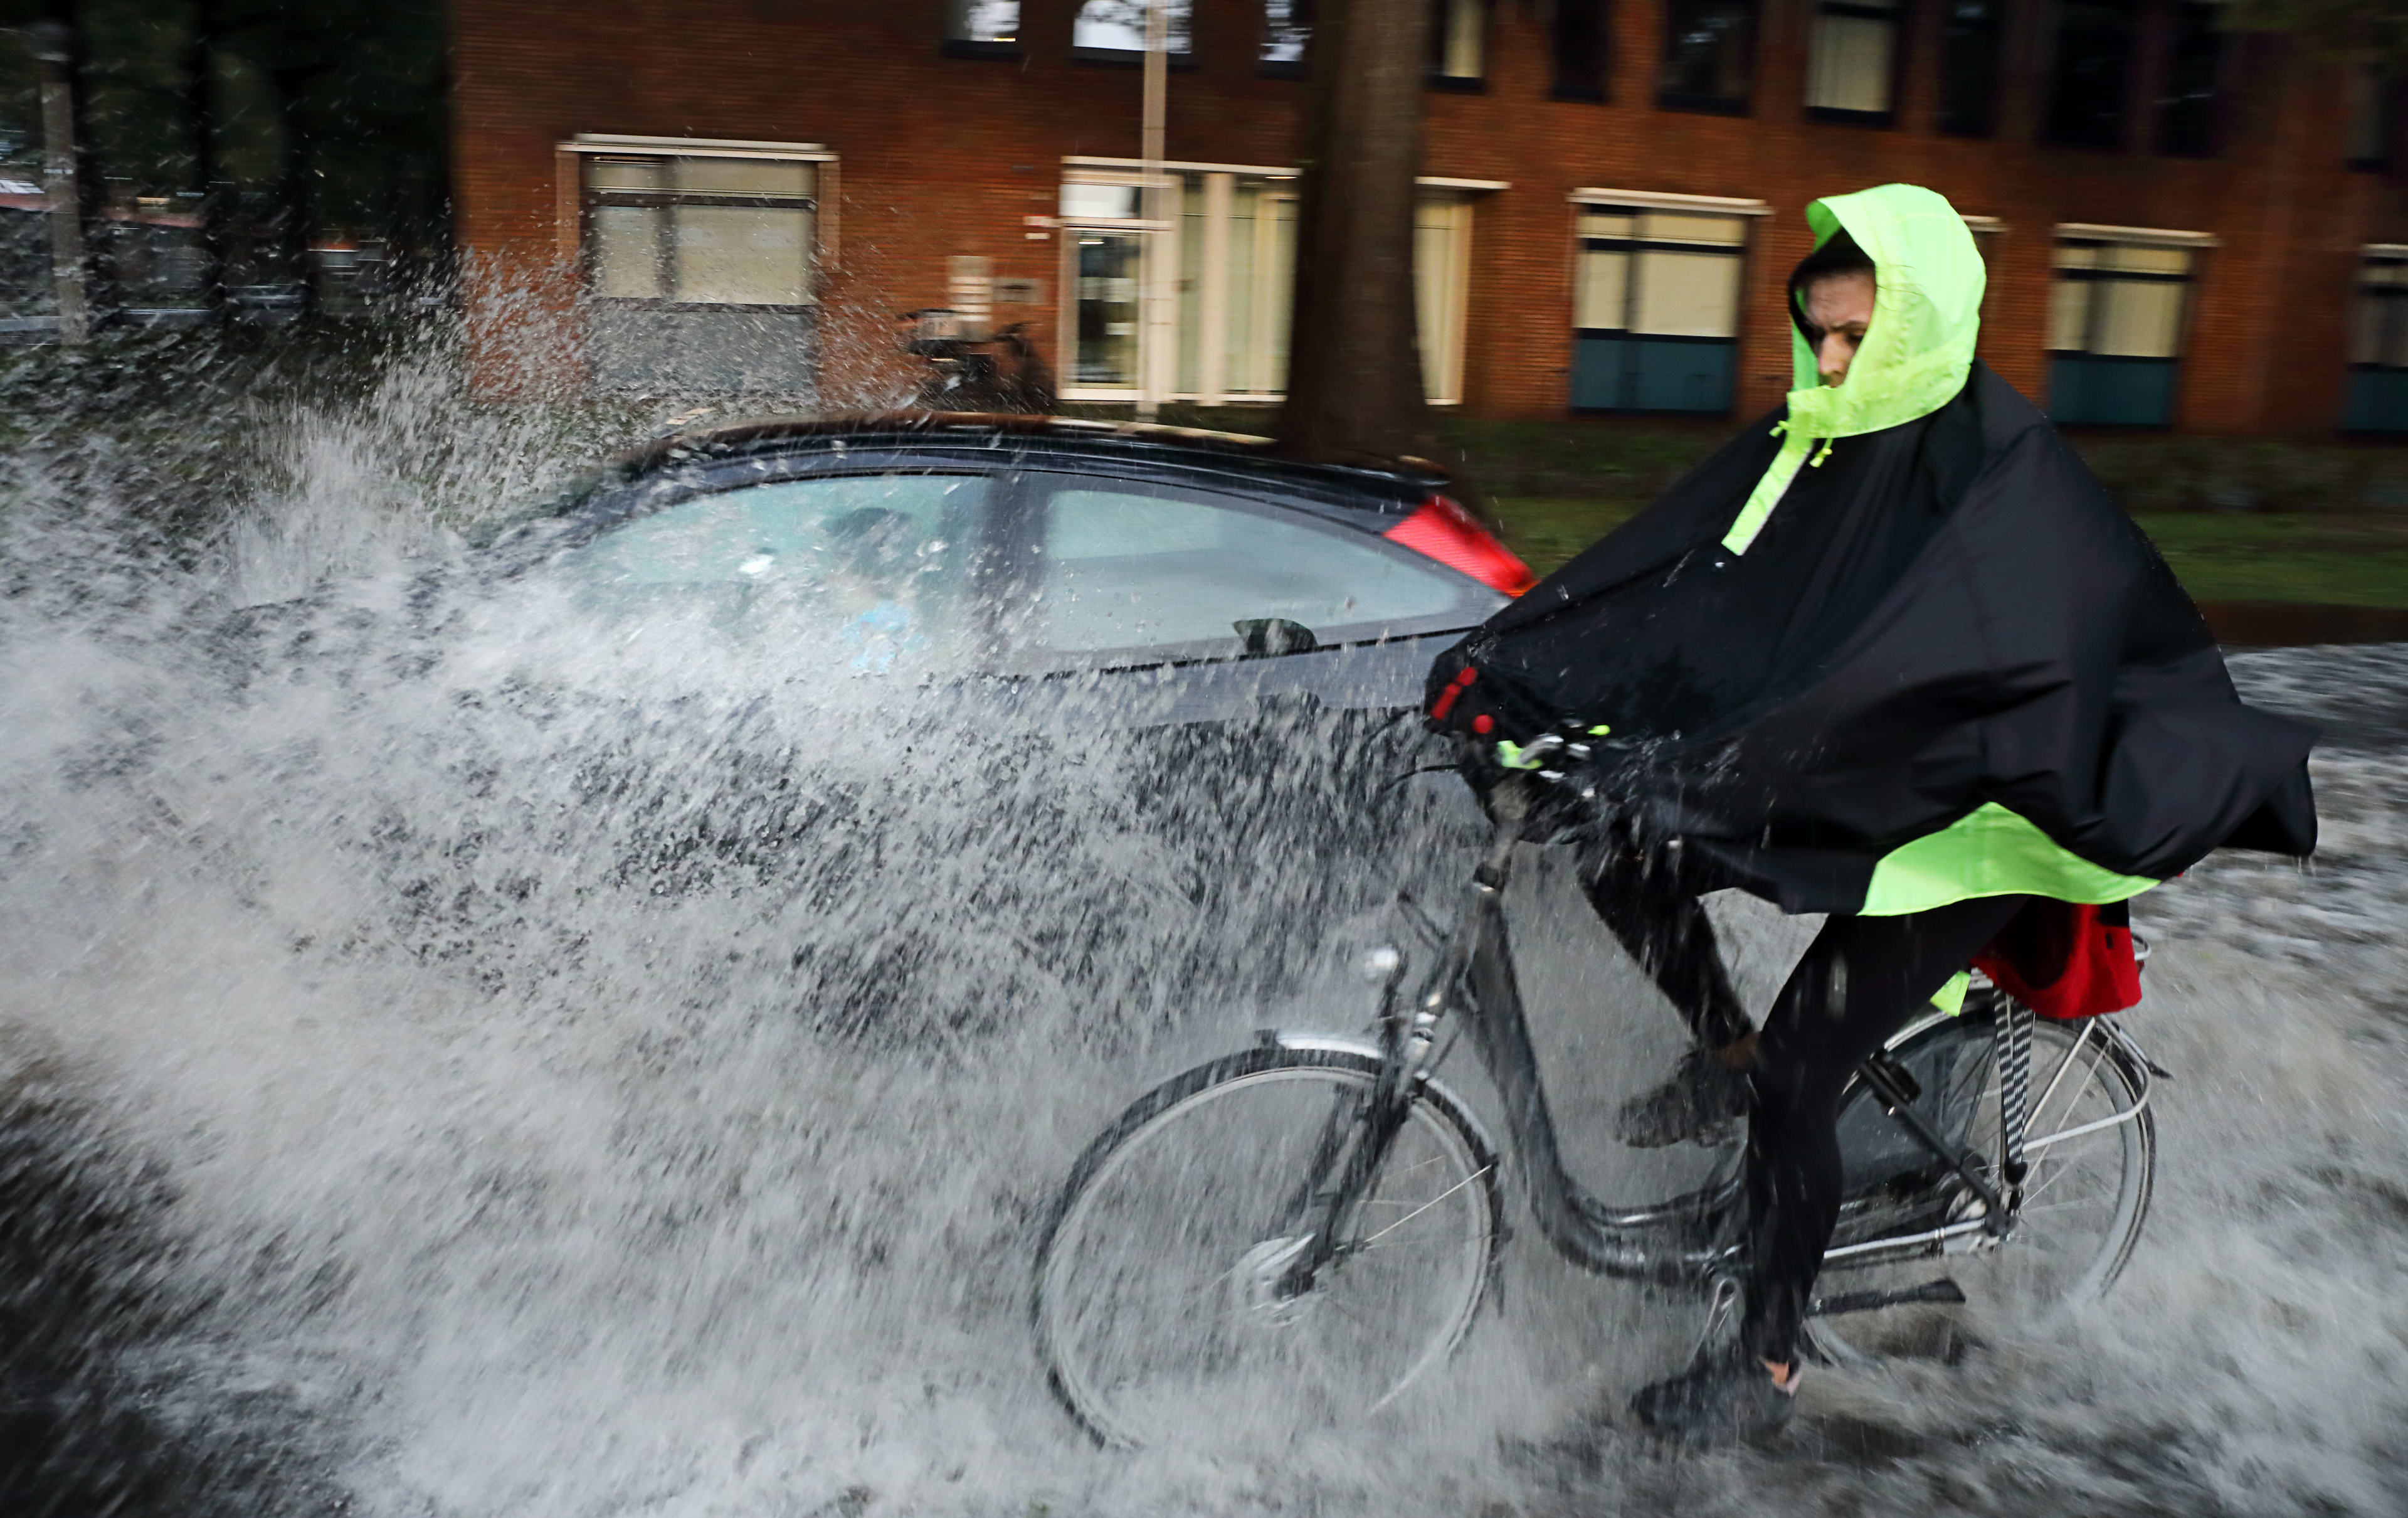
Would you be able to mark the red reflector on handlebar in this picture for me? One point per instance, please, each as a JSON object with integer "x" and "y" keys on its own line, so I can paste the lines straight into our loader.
{"x": 1443, "y": 530}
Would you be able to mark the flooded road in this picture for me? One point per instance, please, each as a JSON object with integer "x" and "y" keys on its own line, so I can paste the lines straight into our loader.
{"x": 503, "y": 1075}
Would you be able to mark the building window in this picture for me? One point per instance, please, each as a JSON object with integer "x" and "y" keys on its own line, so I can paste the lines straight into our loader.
{"x": 2377, "y": 399}
{"x": 1458, "y": 43}
{"x": 1237, "y": 259}
{"x": 2115, "y": 324}
{"x": 1968, "y": 67}
{"x": 1104, "y": 332}
{"x": 982, "y": 28}
{"x": 1580, "y": 50}
{"x": 2186, "y": 111}
{"x": 1230, "y": 256}
{"x": 703, "y": 267}
{"x": 701, "y": 231}
{"x": 1288, "y": 27}
{"x": 1854, "y": 68}
{"x": 2092, "y": 75}
{"x": 1115, "y": 30}
{"x": 2372, "y": 97}
{"x": 1656, "y": 304}
{"x": 1441, "y": 291}
{"x": 1709, "y": 53}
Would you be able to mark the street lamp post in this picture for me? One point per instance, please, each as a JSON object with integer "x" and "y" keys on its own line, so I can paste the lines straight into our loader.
{"x": 1155, "y": 310}
{"x": 54, "y": 57}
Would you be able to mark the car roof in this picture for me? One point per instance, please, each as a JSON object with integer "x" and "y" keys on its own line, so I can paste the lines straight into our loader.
{"x": 1407, "y": 480}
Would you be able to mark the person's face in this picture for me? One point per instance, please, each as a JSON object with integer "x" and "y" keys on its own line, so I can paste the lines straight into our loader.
{"x": 1838, "y": 308}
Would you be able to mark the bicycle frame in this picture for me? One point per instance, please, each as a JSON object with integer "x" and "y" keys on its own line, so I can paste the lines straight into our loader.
{"x": 1690, "y": 1238}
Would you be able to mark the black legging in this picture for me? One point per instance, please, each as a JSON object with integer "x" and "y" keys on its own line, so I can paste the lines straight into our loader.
{"x": 1858, "y": 983}
{"x": 1648, "y": 899}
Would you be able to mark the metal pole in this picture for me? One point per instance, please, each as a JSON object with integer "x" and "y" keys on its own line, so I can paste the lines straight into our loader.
{"x": 53, "y": 57}
{"x": 1158, "y": 326}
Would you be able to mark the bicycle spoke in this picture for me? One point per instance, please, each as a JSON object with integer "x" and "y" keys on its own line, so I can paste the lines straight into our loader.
{"x": 1367, "y": 1243}
{"x": 2081, "y": 1042}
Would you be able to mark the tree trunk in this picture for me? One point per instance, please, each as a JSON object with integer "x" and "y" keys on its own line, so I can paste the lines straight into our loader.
{"x": 200, "y": 119}
{"x": 1353, "y": 372}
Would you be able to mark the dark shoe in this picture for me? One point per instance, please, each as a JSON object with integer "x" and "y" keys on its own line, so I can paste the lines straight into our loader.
{"x": 1724, "y": 1396}
{"x": 1702, "y": 1101}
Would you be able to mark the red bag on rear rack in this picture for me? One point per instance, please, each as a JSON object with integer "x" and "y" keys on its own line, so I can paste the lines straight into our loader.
{"x": 2066, "y": 960}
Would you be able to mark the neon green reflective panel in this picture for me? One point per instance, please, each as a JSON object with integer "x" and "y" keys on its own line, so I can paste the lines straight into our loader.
{"x": 1989, "y": 851}
{"x": 1929, "y": 280}
{"x": 1951, "y": 997}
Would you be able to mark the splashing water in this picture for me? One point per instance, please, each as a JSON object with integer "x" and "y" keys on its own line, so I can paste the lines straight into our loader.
{"x": 461, "y": 1063}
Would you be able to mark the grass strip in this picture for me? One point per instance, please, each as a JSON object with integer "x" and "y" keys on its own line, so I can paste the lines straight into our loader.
{"x": 2325, "y": 559}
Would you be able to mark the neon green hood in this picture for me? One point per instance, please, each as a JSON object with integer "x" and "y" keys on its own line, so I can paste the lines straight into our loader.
{"x": 1916, "y": 352}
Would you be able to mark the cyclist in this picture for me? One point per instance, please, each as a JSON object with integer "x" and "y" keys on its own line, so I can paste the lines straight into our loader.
{"x": 1892, "y": 655}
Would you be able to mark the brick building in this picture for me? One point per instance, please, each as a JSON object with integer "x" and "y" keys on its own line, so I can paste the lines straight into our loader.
{"x": 2185, "y": 228}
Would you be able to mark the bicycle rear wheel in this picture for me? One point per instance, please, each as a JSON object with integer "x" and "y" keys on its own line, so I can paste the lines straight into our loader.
{"x": 2091, "y": 1152}
{"x": 1158, "y": 1302}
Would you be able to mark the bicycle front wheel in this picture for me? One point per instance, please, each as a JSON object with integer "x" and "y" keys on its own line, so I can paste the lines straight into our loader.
{"x": 1165, "y": 1295}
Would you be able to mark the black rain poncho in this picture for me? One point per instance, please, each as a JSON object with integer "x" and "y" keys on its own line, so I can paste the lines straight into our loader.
{"x": 1895, "y": 646}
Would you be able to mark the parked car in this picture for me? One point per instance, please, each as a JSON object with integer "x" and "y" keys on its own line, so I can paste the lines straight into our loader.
{"x": 1195, "y": 566}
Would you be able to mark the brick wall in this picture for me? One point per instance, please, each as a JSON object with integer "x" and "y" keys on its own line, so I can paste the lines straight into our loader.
{"x": 945, "y": 156}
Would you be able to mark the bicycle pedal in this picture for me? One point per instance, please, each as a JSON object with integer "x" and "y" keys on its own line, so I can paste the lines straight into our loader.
{"x": 1943, "y": 1290}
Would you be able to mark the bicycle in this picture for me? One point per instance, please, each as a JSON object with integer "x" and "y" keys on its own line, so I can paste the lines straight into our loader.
{"x": 1305, "y": 1227}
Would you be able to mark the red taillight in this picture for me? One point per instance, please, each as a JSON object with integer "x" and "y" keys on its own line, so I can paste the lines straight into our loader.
{"x": 1446, "y": 532}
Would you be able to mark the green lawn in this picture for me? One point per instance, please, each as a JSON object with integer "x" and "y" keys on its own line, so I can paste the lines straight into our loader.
{"x": 2358, "y": 558}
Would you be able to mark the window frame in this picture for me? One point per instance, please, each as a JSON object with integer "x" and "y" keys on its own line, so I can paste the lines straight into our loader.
{"x": 1274, "y": 185}
{"x": 2374, "y": 90}
{"x": 955, "y": 45}
{"x": 1984, "y": 42}
{"x": 2093, "y": 314}
{"x": 2170, "y": 111}
{"x": 586, "y": 149}
{"x": 1640, "y": 203}
{"x": 1895, "y": 14}
{"x": 1561, "y": 83}
{"x": 1441, "y": 32}
{"x": 2054, "y": 131}
{"x": 2365, "y": 374}
{"x": 1666, "y": 98}
{"x": 1176, "y": 56}
{"x": 1275, "y": 31}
